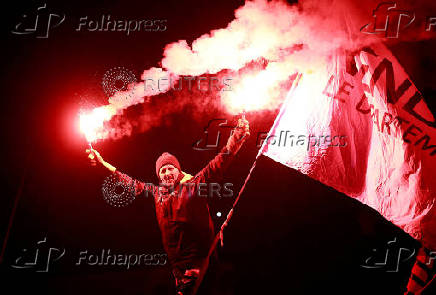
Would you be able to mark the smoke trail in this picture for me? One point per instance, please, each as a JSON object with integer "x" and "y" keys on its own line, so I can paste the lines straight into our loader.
{"x": 261, "y": 49}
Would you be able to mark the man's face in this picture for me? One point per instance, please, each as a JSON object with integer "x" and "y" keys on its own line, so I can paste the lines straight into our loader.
{"x": 168, "y": 174}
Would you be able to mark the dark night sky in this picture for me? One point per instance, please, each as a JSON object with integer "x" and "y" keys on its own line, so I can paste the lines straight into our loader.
{"x": 289, "y": 234}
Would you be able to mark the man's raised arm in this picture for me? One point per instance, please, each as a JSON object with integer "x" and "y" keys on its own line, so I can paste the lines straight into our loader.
{"x": 221, "y": 161}
{"x": 139, "y": 186}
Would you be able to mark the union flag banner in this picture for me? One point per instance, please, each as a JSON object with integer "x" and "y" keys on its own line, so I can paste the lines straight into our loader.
{"x": 359, "y": 125}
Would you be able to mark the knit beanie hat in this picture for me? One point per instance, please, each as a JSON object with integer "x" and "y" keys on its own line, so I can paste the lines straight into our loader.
{"x": 164, "y": 159}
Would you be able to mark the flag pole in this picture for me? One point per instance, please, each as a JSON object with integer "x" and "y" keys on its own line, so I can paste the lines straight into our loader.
{"x": 220, "y": 235}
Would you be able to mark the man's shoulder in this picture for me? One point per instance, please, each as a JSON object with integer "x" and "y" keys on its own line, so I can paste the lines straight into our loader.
{"x": 186, "y": 178}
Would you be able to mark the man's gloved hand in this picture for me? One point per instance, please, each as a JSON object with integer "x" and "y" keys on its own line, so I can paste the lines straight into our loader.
{"x": 94, "y": 157}
{"x": 243, "y": 128}
{"x": 239, "y": 136}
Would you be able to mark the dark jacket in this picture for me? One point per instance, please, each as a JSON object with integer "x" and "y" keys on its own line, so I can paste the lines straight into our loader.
{"x": 183, "y": 216}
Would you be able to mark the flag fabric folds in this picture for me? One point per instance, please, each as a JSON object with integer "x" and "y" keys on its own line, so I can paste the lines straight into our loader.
{"x": 359, "y": 125}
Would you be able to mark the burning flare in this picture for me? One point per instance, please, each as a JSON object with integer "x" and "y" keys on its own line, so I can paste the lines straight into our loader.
{"x": 91, "y": 123}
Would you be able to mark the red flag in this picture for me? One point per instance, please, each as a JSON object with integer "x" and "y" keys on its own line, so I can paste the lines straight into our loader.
{"x": 359, "y": 125}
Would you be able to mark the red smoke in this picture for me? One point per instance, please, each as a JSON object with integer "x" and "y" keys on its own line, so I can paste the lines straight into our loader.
{"x": 283, "y": 38}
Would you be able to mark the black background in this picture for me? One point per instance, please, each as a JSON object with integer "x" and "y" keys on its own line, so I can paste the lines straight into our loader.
{"x": 289, "y": 234}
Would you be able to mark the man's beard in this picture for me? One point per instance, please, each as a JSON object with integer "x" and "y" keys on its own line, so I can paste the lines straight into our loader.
{"x": 169, "y": 180}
